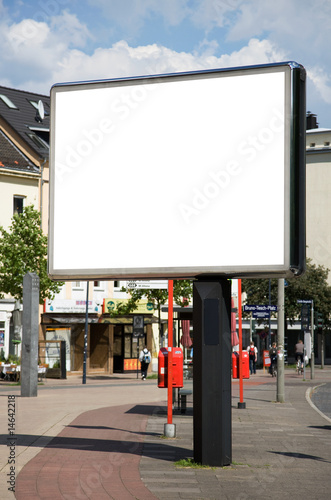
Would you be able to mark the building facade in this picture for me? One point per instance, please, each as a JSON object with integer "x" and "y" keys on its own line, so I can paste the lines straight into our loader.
{"x": 318, "y": 200}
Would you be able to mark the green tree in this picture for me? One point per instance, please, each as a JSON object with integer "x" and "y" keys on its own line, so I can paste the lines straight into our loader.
{"x": 313, "y": 285}
{"x": 23, "y": 249}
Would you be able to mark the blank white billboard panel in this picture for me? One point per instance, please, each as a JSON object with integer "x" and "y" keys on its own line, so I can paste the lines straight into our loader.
{"x": 178, "y": 175}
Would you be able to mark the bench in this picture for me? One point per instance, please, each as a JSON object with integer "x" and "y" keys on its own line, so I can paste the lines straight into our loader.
{"x": 182, "y": 399}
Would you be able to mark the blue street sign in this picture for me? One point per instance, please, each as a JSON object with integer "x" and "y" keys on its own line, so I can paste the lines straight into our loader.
{"x": 260, "y": 308}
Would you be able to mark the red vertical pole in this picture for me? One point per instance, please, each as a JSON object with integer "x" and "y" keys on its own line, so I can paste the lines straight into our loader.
{"x": 241, "y": 403}
{"x": 170, "y": 346}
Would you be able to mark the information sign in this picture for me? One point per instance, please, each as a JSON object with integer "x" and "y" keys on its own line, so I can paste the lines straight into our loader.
{"x": 147, "y": 284}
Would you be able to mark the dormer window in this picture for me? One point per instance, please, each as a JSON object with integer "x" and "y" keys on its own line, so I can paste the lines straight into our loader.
{"x": 8, "y": 102}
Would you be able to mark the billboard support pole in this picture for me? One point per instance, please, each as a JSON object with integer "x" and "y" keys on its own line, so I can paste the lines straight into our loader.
{"x": 212, "y": 372}
{"x": 241, "y": 403}
{"x": 169, "y": 427}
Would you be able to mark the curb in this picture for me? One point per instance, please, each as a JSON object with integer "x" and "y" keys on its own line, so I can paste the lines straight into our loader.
{"x": 309, "y": 391}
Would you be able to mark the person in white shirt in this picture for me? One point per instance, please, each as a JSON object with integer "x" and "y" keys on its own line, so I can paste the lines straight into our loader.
{"x": 145, "y": 359}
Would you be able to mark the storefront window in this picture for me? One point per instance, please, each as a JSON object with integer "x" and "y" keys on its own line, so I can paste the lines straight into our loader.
{"x": 125, "y": 344}
{"x": 128, "y": 346}
{"x": 133, "y": 345}
{"x": 117, "y": 345}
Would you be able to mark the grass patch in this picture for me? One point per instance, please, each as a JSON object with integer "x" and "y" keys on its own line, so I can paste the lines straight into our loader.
{"x": 189, "y": 463}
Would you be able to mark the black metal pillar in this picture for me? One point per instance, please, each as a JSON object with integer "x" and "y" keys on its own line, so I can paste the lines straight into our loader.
{"x": 212, "y": 372}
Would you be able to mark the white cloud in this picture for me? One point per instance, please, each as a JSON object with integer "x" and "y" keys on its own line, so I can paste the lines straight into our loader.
{"x": 68, "y": 27}
{"x": 32, "y": 50}
{"x": 42, "y": 54}
{"x": 123, "y": 60}
{"x": 296, "y": 24}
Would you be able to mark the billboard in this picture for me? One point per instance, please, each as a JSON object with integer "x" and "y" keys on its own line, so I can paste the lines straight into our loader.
{"x": 180, "y": 175}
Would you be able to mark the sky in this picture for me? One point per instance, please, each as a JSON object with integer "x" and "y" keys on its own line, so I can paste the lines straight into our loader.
{"x": 52, "y": 41}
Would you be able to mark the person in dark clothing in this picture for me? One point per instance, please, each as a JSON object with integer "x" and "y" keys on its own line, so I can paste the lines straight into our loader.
{"x": 252, "y": 350}
{"x": 273, "y": 356}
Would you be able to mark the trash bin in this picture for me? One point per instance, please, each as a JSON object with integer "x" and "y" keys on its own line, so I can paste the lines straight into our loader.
{"x": 235, "y": 363}
{"x": 244, "y": 364}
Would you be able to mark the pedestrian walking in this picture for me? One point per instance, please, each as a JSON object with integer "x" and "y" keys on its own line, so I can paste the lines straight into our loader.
{"x": 145, "y": 359}
{"x": 252, "y": 350}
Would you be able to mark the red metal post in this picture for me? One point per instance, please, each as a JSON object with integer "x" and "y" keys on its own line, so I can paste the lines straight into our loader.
{"x": 241, "y": 403}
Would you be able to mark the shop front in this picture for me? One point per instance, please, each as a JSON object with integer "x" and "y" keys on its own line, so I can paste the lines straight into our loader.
{"x": 131, "y": 333}
{"x": 113, "y": 342}
{"x": 65, "y": 320}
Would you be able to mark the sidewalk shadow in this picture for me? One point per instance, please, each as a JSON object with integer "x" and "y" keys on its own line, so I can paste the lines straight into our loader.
{"x": 99, "y": 445}
{"x": 159, "y": 411}
{"x": 323, "y": 427}
{"x": 104, "y": 427}
{"x": 300, "y": 455}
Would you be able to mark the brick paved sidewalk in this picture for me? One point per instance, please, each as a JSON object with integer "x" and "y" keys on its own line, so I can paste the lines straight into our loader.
{"x": 117, "y": 452}
{"x": 95, "y": 457}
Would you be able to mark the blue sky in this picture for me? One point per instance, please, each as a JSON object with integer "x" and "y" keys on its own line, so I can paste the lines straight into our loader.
{"x": 50, "y": 41}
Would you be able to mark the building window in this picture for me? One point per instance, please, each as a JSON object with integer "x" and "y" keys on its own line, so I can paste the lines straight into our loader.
{"x": 34, "y": 104}
{"x": 18, "y": 204}
{"x": 39, "y": 140}
{"x": 8, "y": 102}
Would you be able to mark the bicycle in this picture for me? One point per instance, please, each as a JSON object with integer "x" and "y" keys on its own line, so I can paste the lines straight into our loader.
{"x": 273, "y": 368}
{"x": 299, "y": 367}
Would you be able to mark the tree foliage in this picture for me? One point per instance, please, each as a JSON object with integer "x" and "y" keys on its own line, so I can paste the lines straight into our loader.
{"x": 23, "y": 249}
{"x": 313, "y": 285}
{"x": 183, "y": 290}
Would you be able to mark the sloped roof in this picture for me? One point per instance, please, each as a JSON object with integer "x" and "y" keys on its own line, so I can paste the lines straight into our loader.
{"x": 22, "y": 118}
{"x": 12, "y": 158}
